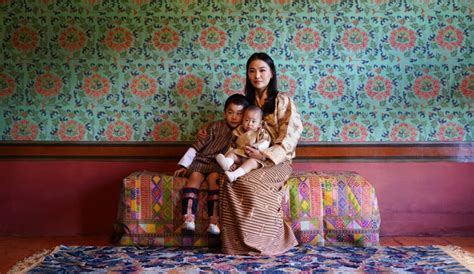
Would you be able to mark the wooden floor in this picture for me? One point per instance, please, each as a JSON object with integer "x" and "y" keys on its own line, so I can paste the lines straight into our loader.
{"x": 13, "y": 249}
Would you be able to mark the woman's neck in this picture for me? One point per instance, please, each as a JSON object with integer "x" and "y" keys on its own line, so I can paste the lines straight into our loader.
{"x": 261, "y": 97}
{"x": 261, "y": 93}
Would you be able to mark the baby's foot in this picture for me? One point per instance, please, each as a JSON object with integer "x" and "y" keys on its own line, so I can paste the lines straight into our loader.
{"x": 231, "y": 176}
{"x": 224, "y": 162}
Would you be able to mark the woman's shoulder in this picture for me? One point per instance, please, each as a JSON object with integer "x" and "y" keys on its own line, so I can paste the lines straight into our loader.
{"x": 283, "y": 99}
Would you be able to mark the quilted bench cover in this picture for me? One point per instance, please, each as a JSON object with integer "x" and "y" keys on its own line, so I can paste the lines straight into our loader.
{"x": 323, "y": 208}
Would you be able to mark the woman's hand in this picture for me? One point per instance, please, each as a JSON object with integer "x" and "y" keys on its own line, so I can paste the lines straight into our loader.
{"x": 180, "y": 172}
{"x": 254, "y": 153}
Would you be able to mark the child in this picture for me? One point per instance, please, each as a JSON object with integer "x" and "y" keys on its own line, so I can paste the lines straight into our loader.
{"x": 249, "y": 133}
{"x": 199, "y": 163}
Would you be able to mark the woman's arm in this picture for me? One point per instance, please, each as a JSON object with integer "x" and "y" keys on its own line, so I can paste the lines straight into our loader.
{"x": 289, "y": 131}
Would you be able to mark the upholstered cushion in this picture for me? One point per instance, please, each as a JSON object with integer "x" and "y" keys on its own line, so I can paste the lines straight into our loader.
{"x": 323, "y": 208}
{"x": 302, "y": 208}
{"x": 350, "y": 209}
{"x": 150, "y": 212}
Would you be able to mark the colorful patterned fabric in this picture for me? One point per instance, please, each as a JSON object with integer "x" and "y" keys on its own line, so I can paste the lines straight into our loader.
{"x": 305, "y": 258}
{"x": 150, "y": 212}
{"x": 337, "y": 208}
{"x": 302, "y": 207}
{"x": 350, "y": 209}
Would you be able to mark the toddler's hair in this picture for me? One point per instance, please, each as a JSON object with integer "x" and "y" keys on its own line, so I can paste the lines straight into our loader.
{"x": 254, "y": 108}
{"x": 236, "y": 99}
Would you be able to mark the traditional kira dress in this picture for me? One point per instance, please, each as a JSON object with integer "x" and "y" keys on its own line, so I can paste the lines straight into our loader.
{"x": 251, "y": 216}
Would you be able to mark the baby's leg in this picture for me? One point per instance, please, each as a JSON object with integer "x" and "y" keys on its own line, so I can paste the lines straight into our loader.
{"x": 235, "y": 158}
{"x": 213, "y": 203}
{"x": 189, "y": 202}
{"x": 226, "y": 161}
{"x": 248, "y": 165}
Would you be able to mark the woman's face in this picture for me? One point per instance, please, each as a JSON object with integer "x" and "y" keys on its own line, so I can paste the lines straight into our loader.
{"x": 259, "y": 74}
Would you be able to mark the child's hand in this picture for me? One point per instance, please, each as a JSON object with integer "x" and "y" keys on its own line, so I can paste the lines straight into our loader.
{"x": 180, "y": 172}
{"x": 202, "y": 132}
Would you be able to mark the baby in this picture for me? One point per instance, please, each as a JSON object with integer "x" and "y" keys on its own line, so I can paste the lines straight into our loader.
{"x": 249, "y": 133}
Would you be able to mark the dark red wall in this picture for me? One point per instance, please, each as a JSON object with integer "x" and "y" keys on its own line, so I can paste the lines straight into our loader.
{"x": 79, "y": 197}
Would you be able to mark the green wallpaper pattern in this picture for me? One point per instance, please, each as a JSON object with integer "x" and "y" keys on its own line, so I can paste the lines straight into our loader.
{"x": 374, "y": 70}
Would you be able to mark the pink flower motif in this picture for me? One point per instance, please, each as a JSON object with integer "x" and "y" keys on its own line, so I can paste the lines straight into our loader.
{"x": 260, "y": 38}
{"x": 286, "y": 85}
{"x": 165, "y": 131}
{"x": 467, "y": 86}
{"x": 7, "y": 85}
{"x": 403, "y": 132}
{"x": 378, "y": 87}
{"x": 119, "y": 131}
{"x": 71, "y": 131}
{"x": 166, "y": 39}
{"x": 426, "y": 87}
{"x": 450, "y": 38}
{"x": 96, "y": 85}
{"x": 451, "y": 132}
{"x": 25, "y": 39}
{"x": 311, "y": 133}
{"x": 402, "y": 38}
{"x": 24, "y": 130}
{"x": 48, "y": 84}
{"x": 354, "y": 132}
{"x": 212, "y": 38}
{"x": 72, "y": 39}
{"x": 190, "y": 86}
{"x": 234, "y": 84}
{"x": 331, "y": 87}
{"x": 144, "y": 86}
{"x": 355, "y": 39}
{"x": 307, "y": 39}
{"x": 119, "y": 39}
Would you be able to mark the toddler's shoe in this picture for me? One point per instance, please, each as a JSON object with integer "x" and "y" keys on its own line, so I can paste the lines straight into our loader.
{"x": 189, "y": 224}
{"x": 224, "y": 162}
{"x": 231, "y": 176}
{"x": 214, "y": 229}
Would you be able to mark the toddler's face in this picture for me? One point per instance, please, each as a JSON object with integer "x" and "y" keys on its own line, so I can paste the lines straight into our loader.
{"x": 251, "y": 120}
{"x": 233, "y": 115}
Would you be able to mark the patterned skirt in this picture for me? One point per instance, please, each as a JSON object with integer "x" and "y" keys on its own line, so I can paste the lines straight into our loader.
{"x": 251, "y": 216}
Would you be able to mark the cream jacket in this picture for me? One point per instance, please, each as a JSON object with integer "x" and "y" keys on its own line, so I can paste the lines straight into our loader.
{"x": 285, "y": 128}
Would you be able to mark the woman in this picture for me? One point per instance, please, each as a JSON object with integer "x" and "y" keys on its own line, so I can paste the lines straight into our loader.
{"x": 251, "y": 216}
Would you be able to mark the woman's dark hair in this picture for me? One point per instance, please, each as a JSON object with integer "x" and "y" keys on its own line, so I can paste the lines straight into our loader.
{"x": 269, "y": 106}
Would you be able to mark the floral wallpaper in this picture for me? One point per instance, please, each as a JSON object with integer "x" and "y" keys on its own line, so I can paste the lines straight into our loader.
{"x": 359, "y": 71}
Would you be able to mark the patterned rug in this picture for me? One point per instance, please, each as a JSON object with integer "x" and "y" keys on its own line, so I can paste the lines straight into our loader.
{"x": 306, "y": 258}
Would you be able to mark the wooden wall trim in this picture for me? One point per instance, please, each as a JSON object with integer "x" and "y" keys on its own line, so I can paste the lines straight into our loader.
{"x": 451, "y": 151}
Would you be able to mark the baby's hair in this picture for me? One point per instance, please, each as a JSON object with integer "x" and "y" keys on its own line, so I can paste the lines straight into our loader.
{"x": 254, "y": 108}
{"x": 236, "y": 99}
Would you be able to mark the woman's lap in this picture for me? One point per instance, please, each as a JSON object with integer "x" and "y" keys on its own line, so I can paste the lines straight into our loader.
{"x": 251, "y": 215}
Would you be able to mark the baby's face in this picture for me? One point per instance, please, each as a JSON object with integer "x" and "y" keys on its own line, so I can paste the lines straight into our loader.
{"x": 251, "y": 120}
